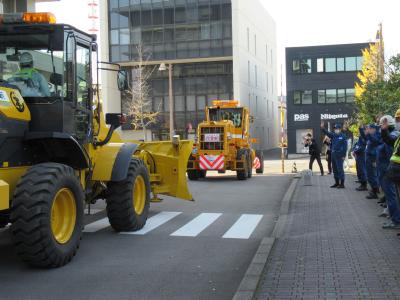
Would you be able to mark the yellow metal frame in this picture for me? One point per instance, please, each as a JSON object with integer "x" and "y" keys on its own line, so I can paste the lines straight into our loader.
{"x": 4, "y": 195}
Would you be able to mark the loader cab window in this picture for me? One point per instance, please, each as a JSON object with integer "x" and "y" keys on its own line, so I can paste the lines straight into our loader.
{"x": 83, "y": 76}
{"x": 32, "y": 71}
{"x": 232, "y": 114}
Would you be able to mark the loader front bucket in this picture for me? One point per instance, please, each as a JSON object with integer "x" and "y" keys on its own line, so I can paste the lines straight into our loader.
{"x": 168, "y": 165}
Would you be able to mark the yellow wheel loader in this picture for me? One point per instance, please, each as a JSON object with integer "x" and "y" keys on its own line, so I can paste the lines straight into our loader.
{"x": 57, "y": 150}
{"x": 224, "y": 143}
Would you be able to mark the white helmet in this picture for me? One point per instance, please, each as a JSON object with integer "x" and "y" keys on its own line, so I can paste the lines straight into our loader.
{"x": 390, "y": 120}
{"x": 26, "y": 59}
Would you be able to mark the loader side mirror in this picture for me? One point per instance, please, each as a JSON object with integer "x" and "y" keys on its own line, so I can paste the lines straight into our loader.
{"x": 115, "y": 120}
{"x": 122, "y": 80}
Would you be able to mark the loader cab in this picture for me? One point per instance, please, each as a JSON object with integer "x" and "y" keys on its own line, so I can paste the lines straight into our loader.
{"x": 226, "y": 111}
{"x": 57, "y": 87}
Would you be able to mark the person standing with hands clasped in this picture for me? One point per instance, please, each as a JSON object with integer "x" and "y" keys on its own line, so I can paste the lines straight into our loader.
{"x": 314, "y": 151}
{"x": 339, "y": 149}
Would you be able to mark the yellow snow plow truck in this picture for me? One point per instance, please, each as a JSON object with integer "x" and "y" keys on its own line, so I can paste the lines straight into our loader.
{"x": 224, "y": 143}
{"x": 57, "y": 150}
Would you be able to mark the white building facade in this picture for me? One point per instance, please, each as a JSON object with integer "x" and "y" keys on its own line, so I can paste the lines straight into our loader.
{"x": 223, "y": 49}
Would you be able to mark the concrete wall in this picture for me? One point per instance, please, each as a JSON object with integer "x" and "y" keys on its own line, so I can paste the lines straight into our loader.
{"x": 254, "y": 37}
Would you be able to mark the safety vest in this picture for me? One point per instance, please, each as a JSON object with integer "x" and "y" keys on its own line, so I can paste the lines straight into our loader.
{"x": 27, "y": 73}
{"x": 396, "y": 153}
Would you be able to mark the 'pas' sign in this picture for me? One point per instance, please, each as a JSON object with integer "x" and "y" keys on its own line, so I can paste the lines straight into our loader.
{"x": 301, "y": 117}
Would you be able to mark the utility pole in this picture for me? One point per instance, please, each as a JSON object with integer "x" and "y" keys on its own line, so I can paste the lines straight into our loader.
{"x": 171, "y": 104}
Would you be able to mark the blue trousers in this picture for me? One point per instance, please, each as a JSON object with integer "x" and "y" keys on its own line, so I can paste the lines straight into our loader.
{"x": 392, "y": 200}
{"x": 337, "y": 165}
{"x": 360, "y": 166}
{"x": 372, "y": 173}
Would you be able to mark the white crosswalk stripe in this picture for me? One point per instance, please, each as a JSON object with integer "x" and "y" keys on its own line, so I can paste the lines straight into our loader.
{"x": 96, "y": 226}
{"x": 155, "y": 221}
{"x": 197, "y": 225}
{"x": 243, "y": 227}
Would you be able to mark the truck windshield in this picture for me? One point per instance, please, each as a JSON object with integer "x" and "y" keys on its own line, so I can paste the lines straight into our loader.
{"x": 229, "y": 114}
{"x": 35, "y": 70}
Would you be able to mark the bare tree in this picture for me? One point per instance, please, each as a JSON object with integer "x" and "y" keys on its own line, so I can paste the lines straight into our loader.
{"x": 139, "y": 106}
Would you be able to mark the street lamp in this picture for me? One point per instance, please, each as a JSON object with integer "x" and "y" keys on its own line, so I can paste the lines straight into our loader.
{"x": 163, "y": 67}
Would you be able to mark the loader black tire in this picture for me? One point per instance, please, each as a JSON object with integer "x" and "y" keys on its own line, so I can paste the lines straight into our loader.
{"x": 193, "y": 175}
{"x": 4, "y": 220}
{"x": 242, "y": 155}
{"x": 39, "y": 239}
{"x": 124, "y": 211}
{"x": 250, "y": 166}
{"x": 202, "y": 174}
{"x": 260, "y": 155}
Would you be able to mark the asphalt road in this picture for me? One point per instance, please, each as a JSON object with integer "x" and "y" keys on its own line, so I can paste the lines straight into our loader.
{"x": 188, "y": 250}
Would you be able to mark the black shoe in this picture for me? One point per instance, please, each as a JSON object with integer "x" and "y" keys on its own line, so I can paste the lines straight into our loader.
{"x": 362, "y": 187}
{"x": 341, "y": 186}
{"x": 322, "y": 174}
{"x": 335, "y": 185}
{"x": 329, "y": 173}
{"x": 372, "y": 195}
{"x": 382, "y": 200}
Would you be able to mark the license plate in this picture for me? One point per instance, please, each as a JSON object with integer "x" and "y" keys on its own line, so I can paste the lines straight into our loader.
{"x": 211, "y": 137}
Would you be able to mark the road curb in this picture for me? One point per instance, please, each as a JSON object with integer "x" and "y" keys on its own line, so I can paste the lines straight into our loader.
{"x": 249, "y": 284}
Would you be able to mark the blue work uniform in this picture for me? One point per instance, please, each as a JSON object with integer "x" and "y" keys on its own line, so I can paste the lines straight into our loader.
{"x": 373, "y": 141}
{"x": 359, "y": 153}
{"x": 339, "y": 149}
{"x": 384, "y": 153}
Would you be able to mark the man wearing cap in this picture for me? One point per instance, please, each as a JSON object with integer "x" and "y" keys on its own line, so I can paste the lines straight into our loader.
{"x": 339, "y": 149}
{"x": 373, "y": 137}
{"x": 38, "y": 85}
{"x": 385, "y": 153}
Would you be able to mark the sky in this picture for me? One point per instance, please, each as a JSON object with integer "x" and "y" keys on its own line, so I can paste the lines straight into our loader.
{"x": 299, "y": 22}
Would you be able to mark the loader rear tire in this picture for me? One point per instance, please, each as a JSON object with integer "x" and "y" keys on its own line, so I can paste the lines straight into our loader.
{"x": 250, "y": 166}
{"x": 260, "y": 156}
{"x": 202, "y": 174}
{"x": 243, "y": 174}
{"x": 47, "y": 215}
{"x": 128, "y": 201}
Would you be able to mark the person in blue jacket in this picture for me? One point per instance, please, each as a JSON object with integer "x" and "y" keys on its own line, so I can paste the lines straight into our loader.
{"x": 359, "y": 154}
{"x": 385, "y": 152}
{"x": 373, "y": 136}
{"x": 339, "y": 149}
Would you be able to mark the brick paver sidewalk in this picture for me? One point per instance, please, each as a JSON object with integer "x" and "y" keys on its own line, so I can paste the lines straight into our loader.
{"x": 333, "y": 247}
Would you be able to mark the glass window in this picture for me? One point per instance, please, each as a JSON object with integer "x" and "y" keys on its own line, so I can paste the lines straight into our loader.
{"x": 297, "y": 97}
{"x": 180, "y": 15}
{"x": 360, "y": 61}
{"x": 157, "y": 16}
{"x": 204, "y": 13}
{"x": 330, "y": 64}
{"x": 307, "y": 97}
{"x": 135, "y": 18}
{"x": 302, "y": 66}
{"x": 114, "y": 37}
{"x": 124, "y": 36}
{"x": 180, "y": 34}
{"x": 123, "y": 20}
{"x": 191, "y": 103}
{"x": 179, "y": 103}
{"x": 215, "y": 12}
{"x": 114, "y": 20}
{"x": 351, "y": 64}
{"x": 350, "y": 95}
{"x": 216, "y": 30}
{"x": 340, "y": 64}
{"x": 305, "y": 65}
{"x": 205, "y": 31}
{"x": 330, "y": 96}
{"x": 321, "y": 97}
{"x": 83, "y": 76}
{"x": 296, "y": 66}
{"x": 320, "y": 65}
{"x": 341, "y": 95}
{"x": 169, "y": 16}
